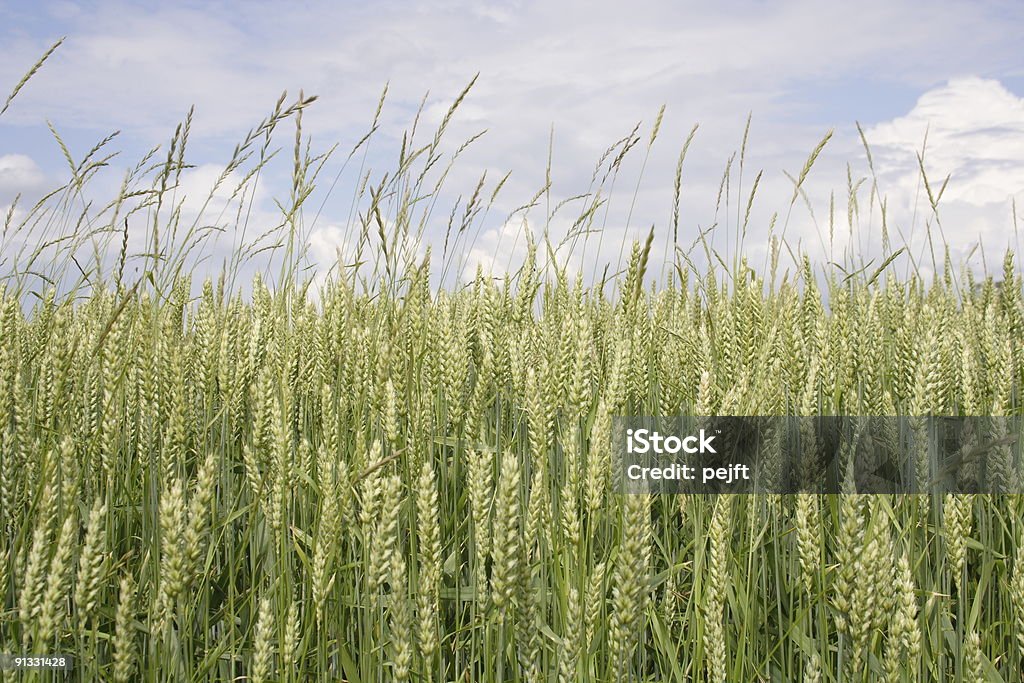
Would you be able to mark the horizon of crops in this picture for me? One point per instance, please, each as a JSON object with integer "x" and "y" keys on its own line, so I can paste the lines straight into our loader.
{"x": 391, "y": 481}
{"x": 386, "y": 488}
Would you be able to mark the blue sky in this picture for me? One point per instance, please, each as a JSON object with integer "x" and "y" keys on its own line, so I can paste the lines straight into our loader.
{"x": 589, "y": 70}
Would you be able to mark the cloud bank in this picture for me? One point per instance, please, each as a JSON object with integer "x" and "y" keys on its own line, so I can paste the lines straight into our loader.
{"x": 575, "y": 76}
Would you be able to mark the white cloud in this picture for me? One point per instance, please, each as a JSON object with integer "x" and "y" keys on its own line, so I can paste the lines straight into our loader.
{"x": 199, "y": 191}
{"x": 502, "y": 250}
{"x": 19, "y": 174}
{"x": 333, "y": 248}
{"x": 330, "y": 244}
{"x": 498, "y": 250}
{"x": 975, "y": 135}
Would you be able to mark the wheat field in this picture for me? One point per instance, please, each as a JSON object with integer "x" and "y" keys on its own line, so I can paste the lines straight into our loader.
{"x": 389, "y": 481}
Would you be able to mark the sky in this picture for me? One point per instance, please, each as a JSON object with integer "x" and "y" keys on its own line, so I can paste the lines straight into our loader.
{"x": 560, "y": 81}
